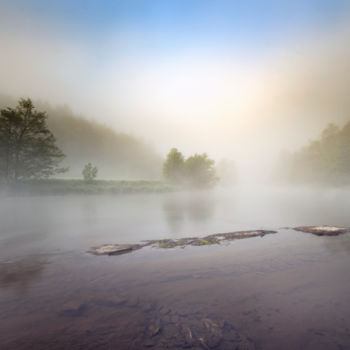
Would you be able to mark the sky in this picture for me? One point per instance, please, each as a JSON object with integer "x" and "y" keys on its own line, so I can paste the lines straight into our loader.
{"x": 234, "y": 79}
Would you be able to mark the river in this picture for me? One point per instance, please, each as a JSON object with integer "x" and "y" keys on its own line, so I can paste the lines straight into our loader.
{"x": 288, "y": 290}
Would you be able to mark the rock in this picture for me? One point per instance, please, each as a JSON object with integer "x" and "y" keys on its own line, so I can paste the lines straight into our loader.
{"x": 114, "y": 249}
{"x": 154, "y": 328}
{"x": 203, "y": 343}
{"x": 164, "y": 310}
{"x": 118, "y": 249}
{"x": 241, "y": 234}
{"x": 323, "y": 230}
{"x": 187, "y": 334}
{"x": 208, "y": 241}
{"x": 149, "y": 343}
{"x": 213, "y": 334}
{"x": 73, "y": 309}
{"x": 110, "y": 301}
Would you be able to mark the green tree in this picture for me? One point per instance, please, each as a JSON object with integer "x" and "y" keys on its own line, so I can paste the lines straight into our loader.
{"x": 89, "y": 173}
{"x": 325, "y": 160}
{"x": 27, "y": 146}
{"x": 200, "y": 171}
{"x": 173, "y": 167}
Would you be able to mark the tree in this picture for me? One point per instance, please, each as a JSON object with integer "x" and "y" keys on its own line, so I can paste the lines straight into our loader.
{"x": 173, "y": 168}
{"x": 200, "y": 171}
{"x": 196, "y": 171}
{"x": 89, "y": 173}
{"x": 27, "y": 146}
{"x": 325, "y": 160}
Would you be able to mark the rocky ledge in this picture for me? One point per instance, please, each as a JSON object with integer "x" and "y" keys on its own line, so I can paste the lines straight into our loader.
{"x": 323, "y": 230}
{"x": 217, "y": 238}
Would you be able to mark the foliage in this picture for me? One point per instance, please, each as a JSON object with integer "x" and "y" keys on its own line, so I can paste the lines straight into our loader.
{"x": 27, "y": 146}
{"x": 199, "y": 170}
{"x": 173, "y": 168}
{"x": 326, "y": 160}
{"x": 118, "y": 155}
{"x": 89, "y": 173}
{"x": 196, "y": 171}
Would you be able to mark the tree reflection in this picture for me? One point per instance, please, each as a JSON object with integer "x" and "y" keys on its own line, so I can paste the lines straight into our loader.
{"x": 196, "y": 207}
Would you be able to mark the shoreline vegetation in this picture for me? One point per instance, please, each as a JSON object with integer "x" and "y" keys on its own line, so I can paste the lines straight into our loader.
{"x": 79, "y": 186}
{"x": 323, "y": 161}
{"x": 30, "y": 158}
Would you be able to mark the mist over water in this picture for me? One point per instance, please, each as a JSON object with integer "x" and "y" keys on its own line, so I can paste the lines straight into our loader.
{"x": 74, "y": 222}
{"x": 178, "y": 120}
{"x": 258, "y": 292}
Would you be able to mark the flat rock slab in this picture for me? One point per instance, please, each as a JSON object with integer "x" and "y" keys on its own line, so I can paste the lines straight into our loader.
{"x": 240, "y": 234}
{"x": 114, "y": 249}
{"x": 323, "y": 230}
{"x": 118, "y": 249}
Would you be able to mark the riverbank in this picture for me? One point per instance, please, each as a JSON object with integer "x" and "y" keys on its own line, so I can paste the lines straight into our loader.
{"x": 76, "y": 186}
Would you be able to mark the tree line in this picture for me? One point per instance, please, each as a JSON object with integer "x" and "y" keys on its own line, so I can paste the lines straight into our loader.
{"x": 116, "y": 154}
{"x": 28, "y": 150}
{"x": 325, "y": 160}
{"x": 195, "y": 171}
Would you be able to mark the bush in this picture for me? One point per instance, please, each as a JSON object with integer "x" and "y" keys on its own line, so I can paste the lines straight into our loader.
{"x": 89, "y": 173}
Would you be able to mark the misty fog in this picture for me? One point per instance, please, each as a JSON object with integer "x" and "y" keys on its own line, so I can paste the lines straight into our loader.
{"x": 238, "y": 103}
{"x": 174, "y": 174}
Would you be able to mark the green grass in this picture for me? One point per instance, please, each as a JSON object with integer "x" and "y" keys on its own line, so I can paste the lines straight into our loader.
{"x": 65, "y": 186}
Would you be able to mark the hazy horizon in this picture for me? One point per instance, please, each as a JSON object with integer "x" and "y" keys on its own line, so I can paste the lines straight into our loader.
{"x": 238, "y": 81}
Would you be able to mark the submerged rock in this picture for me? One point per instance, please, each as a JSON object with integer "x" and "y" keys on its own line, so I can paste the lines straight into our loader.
{"x": 323, "y": 230}
{"x": 114, "y": 249}
{"x": 73, "y": 309}
{"x": 118, "y": 249}
{"x": 187, "y": 335}
{"x": 154, "y": 328}
{"x": 215, "y": 238}
{"x": 238, "y": 235}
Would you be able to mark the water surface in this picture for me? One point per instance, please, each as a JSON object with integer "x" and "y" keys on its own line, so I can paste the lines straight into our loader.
{"x": 288, "y": 290}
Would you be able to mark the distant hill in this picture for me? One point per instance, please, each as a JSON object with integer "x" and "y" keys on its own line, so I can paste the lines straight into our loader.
{"x": 326, "y": 160}
{"x": 117, "y": 155}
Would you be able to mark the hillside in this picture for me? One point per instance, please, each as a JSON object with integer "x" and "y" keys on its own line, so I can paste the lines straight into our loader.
{"x": 117, "y": 155}
{"x": 323, "y": 161}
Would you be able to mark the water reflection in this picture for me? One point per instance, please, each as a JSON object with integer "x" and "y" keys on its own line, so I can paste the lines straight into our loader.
{"x": 196, "y": 207}
{"x": 89, "y": 211}
{"x": 201, "y": 207}
{"x": 174, "y": 211}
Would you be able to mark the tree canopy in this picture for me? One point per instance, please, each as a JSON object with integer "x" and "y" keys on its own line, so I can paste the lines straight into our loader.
{"x": 89, "y": 173}
{"x": 27, "y": 146}
{"x": 200, "y": 171}
{"x": 195, "y": 171}
{"x": 117, "y": 155}
{"x": 324, "y": 160}
{"x": 173, "y": 167}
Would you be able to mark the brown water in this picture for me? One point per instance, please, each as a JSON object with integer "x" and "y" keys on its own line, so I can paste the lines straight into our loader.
{"x": 284, "y": 291}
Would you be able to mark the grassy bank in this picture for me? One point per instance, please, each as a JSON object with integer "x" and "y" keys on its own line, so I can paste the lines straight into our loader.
{"x": 64, "y": 186}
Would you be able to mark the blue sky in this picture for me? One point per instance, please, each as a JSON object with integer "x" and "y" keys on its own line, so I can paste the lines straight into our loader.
{"x": 165, "y": 24}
